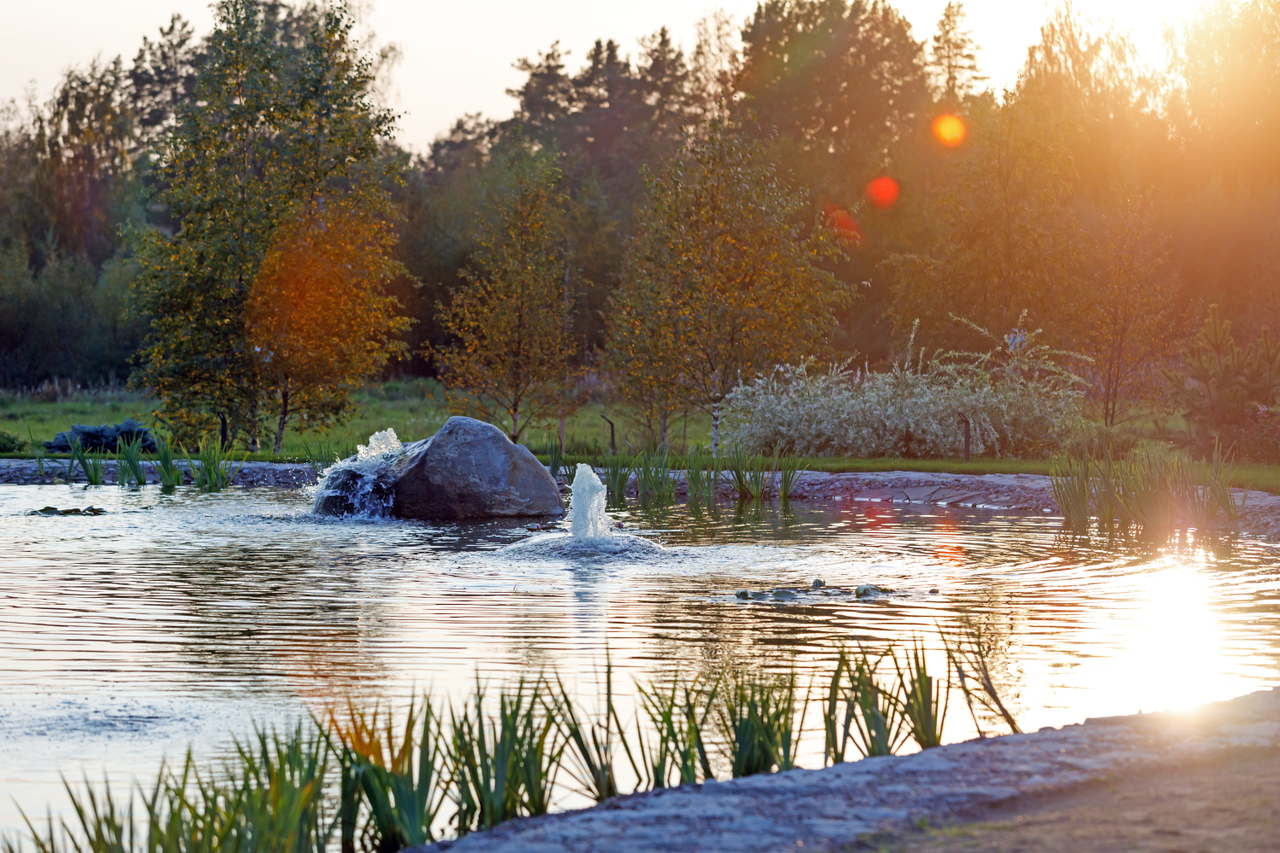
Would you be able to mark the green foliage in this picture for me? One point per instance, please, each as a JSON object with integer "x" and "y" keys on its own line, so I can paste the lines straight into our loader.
{"x": 171, "y": 475}
{"x": 968, "y": 655}
{"x": 279, "y": 118}
{"x": 129, "y": 471}
{"x": 757, "y": 723}
{"x": 617, "y": 474}
{"x": 722, "y": 280}
{"x": 654, "y": 482}
{"x": 924, "y": 699}
{"x": 214, "y": 467}
{"x": 12, "y": 442}
{"x": 678, "y": 714}
{"x": 511, "y": 355}
{"x": 593, "y": 743}
{"x": 92, "y": 464}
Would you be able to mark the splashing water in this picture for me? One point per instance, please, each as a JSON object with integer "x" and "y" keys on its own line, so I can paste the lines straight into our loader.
{"x": 360, "y": 485}
{"x": 587, "y": 522}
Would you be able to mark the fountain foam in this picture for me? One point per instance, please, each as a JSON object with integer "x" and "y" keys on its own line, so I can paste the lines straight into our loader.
{"x": 360, "y": 485}
{"x": 589, "y": 528}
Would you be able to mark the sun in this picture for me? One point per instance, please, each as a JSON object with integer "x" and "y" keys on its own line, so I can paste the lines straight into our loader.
{"x": 949, "y": 130}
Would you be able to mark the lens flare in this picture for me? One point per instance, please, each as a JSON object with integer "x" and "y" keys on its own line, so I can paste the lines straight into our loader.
{"x": 949, "y": 130}
{"x": 883, "y": 192}
{"x": 842, "y": 222}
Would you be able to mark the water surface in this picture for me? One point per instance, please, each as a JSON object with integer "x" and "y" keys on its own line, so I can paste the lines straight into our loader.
{"x": 176, "y": 620}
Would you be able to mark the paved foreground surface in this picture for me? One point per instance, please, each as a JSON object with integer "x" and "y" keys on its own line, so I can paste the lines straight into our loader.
{"x": 873, "y": 803}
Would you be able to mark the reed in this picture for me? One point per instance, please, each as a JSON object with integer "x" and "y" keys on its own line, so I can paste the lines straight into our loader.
{"x": 789, "y": 468}
{"x": 879, "y": 725}
{"x": 594, "y": 743}
{"x": 837, "y": 713}
{"x": 653, "y": 477}
{"x": 401, "y": 775}
{"x": 1220, "y": 478}
{"x": 215, "y": 471}
{"x": 701, "y": 476}
{"x": 1072, "y": 490}
{"x": 129, "y": 471}
{"x": 165, "y": 466}
{"x": 751, "y": 475}
{"x": 554, "y": 451}
{"x": 924, "y": 700}
{"x": 93, "y": 464}
{"x": 967, "y": 655}
{"x": 320, "y": 457}
{"x": 678, "y": 715}
{"x": 617, "y": 474}
{"x": 757, "y": 720}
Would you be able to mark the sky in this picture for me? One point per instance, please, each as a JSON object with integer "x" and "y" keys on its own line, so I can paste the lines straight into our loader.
{"x": 458, "y": 55}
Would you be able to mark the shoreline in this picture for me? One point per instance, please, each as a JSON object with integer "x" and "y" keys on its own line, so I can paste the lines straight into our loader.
{"x": 838, "y": 808}
{"x": 1023, "y": 493}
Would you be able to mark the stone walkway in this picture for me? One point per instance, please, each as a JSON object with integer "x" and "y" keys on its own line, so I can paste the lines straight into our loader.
{"x": 835, "y": 808}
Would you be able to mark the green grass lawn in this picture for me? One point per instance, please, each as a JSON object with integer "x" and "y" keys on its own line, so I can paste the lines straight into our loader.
{"x": 416, "y": 409}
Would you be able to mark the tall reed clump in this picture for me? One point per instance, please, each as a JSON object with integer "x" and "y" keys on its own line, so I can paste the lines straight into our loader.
{"x": 1072, "y": 489}
{"x": 758, "y": 725}
{"x": 594, "y": 742}
{"x": 751, "y": 475}
{"x": 216, "y": 469}
{"x": 400, "y": 774}
{"x": 92, "y": 464}
{"x": 166, "y": 467}
{"x": 653, "y": 477}
{"x": 702, "y": 477}
{"x": 504, "y": 766}
{"x": 788, "y": 473}
{"x": 678, "y": 713}
{"x": 129, "y": 470}
{"x": 617, "y": 473}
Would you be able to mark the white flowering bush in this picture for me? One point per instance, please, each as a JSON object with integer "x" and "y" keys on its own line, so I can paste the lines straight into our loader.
{"x": 1019, "y": 401}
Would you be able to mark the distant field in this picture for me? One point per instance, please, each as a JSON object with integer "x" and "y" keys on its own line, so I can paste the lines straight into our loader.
{"x": 414, "y": 409}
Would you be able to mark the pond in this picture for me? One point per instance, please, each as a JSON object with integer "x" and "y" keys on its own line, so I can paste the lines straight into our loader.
{"x": 182, "y": 620}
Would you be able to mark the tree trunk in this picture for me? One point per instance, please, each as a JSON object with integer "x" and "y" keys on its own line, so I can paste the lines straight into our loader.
{"x": 284, "y": 417}
{"x": 715, "y": 430}
{"x": 225, "y": 432}
{"x": 663, "y": 445}
{"x": 254, "y": 438}
{"x": 562, "y": 420}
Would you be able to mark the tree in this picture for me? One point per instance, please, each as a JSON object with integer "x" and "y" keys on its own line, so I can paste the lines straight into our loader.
{"x": 318, "y": 316}
{"x": 954, "y": 56}
{"x": 281, "y": 119}
{"x": 511, "y": 351}
{"x": 1134, "y": 324}
{"x": 724, "y": 280}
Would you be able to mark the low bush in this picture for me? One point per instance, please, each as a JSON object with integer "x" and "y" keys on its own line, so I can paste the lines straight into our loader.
{"x": 102, "y": 438}
{"x": 1019, "y": 400}
{"x": 11, "y": 442}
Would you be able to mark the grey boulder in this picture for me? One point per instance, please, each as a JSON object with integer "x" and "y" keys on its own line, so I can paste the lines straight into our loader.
{"x": 470, "y": 469}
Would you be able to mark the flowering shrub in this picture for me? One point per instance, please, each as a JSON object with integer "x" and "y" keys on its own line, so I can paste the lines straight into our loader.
{"x": 1257, "y": 439}
{"x": 1018, "y": 401}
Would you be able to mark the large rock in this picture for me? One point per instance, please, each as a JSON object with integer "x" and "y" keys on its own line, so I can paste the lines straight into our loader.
{"x": 470, "y": 469}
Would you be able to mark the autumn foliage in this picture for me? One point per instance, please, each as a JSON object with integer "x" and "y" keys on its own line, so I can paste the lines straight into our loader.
{"x": 318, "y": 315}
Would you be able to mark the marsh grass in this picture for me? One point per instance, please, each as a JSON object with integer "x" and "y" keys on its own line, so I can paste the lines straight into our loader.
{"x": 924, "y": 699}
{"x": 1072, "y": 489}
{"x": 553, "y": 450}
{"x": 325, "y": 454}
{"x": 216, "y": 468}
{"x": 751, "y": 475}
{"x": 967, "y": 654}
{"x": 789, "y": 468}
{"x": 617, "y": 474}
{"x": 702, "y": 477}
{"x": 129, "y": 471}
{"x": 594, "y": 743}
{"x": 757, "y": 722}
{"x": 678, "y": 713}
{"x": 654, "y": 483}
{"x": 164, "y": 465}
{"x": 92, "y": 464}
{"x": 880, "y": 727}
{"x": 400, "y": 773}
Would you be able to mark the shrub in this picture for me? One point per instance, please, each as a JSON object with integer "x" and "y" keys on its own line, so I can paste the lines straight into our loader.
{"x": 11, "y": 442}
{"x": 1019, "y": 401}
{"x": 102, "y": 438}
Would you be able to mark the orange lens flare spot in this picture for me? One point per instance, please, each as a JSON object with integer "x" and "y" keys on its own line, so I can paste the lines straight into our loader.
{"x": 842, "y": 222}
{"x": 949, "y": 130}
{"x": 883, "y": 192}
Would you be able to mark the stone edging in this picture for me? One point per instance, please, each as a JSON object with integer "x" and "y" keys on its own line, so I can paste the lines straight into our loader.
{"x": 251, "y": 474}
{"x": 821, "y": 809}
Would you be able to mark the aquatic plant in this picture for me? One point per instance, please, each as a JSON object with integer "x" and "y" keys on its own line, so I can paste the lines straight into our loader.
{"x": 214, "y": 471}
{"x": 92, "y": 464}
{"x": 129, "y": 471}
{"x": 593, "y": 743}
{"x": 751, "y": 475}
{"x": 321, "y": 456}
{"x": 924, "y": 699}
{"x": 617, "y": 473}
{"x": 879, "y": 725}
{"x": 1072, "y": 490}
{"x": 702, "y": 476}
{"x": 165, "y": 466}
{"x": 788, "y": 468}
{"x": 837, "y": 713}
{"x": 554, "y": 451}
{"x": 678, "y": 715}
{"x": 402, "y": 776}
{"x": 756, "y": 719}
{"x": 653, "y": 477}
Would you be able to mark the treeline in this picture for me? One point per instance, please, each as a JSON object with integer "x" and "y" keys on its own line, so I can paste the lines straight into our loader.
{"x": 1109, "y": 202}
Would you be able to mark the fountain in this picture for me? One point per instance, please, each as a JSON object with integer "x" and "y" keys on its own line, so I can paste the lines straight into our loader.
{"x": 590, "y": 532}
{"x": 361, "y": 485}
